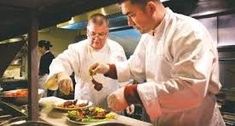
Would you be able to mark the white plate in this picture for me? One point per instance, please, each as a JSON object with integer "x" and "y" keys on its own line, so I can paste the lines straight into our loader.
{"x": 92, "y": 121}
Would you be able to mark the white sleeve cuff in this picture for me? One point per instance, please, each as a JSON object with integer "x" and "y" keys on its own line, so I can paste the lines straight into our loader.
{"x": 148, "y": 96}
{"x": 123, "y": 72}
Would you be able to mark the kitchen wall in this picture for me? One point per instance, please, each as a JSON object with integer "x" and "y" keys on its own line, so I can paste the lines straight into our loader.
{"x": 59, "y": 38}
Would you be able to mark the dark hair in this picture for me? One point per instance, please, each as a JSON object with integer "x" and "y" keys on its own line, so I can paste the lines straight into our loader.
{"x": 98, "y": 19}
{"x": 45, "y": 43}
{"x": 139, "y": 2}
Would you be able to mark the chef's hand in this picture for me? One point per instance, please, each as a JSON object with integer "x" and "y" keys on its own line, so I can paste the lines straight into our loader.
{"x": 130, "y": 109}
{"x": 117, "y": 101}
{"x": 65, "y": 83}
{"x": 51, "y": 83}
{"x": 98, "y": 68}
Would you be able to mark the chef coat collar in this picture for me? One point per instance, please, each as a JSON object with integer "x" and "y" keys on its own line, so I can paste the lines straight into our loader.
{"x": 158, "y": 31}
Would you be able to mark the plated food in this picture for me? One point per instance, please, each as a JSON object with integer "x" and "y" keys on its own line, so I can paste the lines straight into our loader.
{"x": 90, "y": 115}
{"x": 73, "y": 105}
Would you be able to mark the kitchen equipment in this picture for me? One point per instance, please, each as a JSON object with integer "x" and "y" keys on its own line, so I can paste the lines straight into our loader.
{"x": 8, "y": 52}
{"x": 9, "y": 113}
{"x": 18, "y": 96}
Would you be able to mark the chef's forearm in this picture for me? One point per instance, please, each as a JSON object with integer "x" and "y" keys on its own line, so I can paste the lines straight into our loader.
{"x": 112, "y": 73}
{"x": 131, "y": 95}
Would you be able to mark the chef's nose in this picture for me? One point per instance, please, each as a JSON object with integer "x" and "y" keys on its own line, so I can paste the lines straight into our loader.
{"x": 95, "y": 38}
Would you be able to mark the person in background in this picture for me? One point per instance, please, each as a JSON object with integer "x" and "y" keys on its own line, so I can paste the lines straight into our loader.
{"x": 45, "y": 61}
{"x": 179, "y": 61}
{"x": 79, "y": 56}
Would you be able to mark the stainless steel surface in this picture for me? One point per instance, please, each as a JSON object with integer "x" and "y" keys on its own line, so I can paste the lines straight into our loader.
{"x": 229, "y": 118}
{"x": 12, "y": 120}
{"x": 9, "y": 112}
{"x": 4, "y": 117}
{"x": 194, "y": 8}
{"x": 211, "y": 25}
{"x": 222, "y": 29}
{"x": 226, "y": 30}
{"x": 227, "y": 68}
{"x": 82, "y": 18}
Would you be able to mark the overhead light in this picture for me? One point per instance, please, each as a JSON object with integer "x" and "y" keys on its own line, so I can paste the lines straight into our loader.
{"x": 71, "y": 21}
{"x": 17, "y": 39}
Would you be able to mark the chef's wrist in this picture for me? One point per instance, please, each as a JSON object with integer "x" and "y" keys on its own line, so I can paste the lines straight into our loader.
{"x": 112, "y": 72}
{"x": 131, "y": 94}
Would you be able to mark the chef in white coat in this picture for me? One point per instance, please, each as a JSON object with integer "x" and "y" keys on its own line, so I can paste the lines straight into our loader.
{"x": 79, "y": 56}
{"x": 177, "y": 61}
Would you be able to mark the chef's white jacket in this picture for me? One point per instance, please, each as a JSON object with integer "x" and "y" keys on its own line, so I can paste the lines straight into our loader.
{"x": 78, "y": 58}
{"x": 179, "y": 62}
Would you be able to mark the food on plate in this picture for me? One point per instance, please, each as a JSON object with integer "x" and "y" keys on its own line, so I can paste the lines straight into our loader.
{"x": 83, "y": 104}
{"x": 73, "y": 104}
{"x": 69, "y": 104}
{"x": 90, "y": 114}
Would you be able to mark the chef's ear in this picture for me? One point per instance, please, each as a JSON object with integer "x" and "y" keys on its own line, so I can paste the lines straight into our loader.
{"x": 150, "y": 7}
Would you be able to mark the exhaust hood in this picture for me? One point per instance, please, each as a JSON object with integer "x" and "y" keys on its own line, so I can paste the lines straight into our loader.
{"x": 113, "y": 12}
{"x": 80, "y": 21}
{"x": 194, "y": 8}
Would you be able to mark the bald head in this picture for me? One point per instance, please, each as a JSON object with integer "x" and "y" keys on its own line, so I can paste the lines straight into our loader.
{"x": 97, "y": 30}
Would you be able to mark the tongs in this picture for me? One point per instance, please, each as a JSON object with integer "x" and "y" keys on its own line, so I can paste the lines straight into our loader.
{"x": 98, "y": 86}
